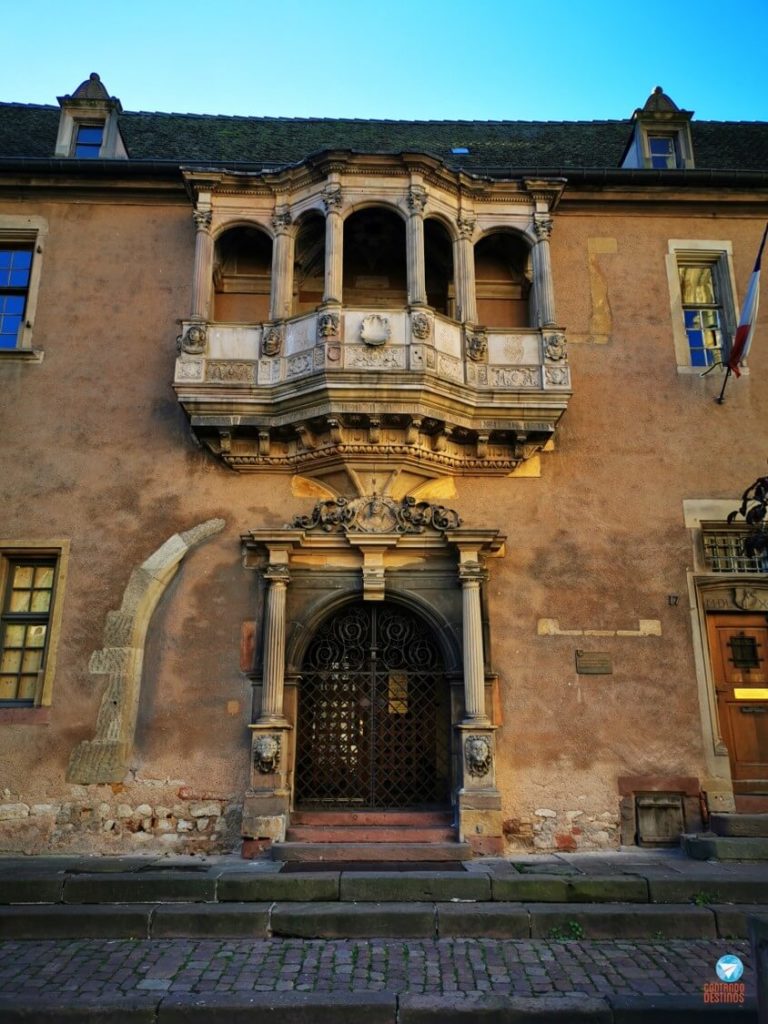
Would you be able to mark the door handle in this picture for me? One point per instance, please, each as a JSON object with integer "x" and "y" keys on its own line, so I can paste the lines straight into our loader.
{"x": 754, "y": 711}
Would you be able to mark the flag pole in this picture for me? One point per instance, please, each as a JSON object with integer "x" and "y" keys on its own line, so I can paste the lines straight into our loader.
{"x": 721, "y": 397}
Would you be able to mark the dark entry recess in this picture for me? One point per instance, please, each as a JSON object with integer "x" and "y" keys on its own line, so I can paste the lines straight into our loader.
{"x": 374, "y": 713}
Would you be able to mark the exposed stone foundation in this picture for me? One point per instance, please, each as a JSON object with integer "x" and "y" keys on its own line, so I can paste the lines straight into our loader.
{"x": 121, "y": 820}
{"x": 562, "y": 831}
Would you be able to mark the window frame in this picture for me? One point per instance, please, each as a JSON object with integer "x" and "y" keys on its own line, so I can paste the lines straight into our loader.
{"x": 719, "y": 255}
{"x": 53, "y": 552}
{"x": 26, "y": 232}
{"x": 76, "y": 127}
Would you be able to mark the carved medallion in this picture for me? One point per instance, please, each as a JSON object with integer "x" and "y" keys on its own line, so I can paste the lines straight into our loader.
{"x": 194, "y": 340}
{"x": 328, "y": 326}
{"x": 375, "y": 329}
{"x": 477, "y": 345}
{"x": 554, "y": 347}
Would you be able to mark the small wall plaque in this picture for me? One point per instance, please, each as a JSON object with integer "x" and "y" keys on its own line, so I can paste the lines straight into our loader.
{"x": 593, "y": 663}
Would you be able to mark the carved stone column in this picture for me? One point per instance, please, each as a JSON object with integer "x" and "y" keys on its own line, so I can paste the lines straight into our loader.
{"x": 417, "y": 288}
{"x": 334, "y": 245}
{"x": 274, "y": 646}
{"x": 203, "y": 271}
{"x": 282, "y": 264}
{"x": 471, "y": 575}
{"x": 466, "y": 295}
{"x": 542, "y": 271}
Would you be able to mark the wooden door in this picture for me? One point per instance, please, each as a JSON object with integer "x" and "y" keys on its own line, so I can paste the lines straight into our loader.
{"x": 739, "y": 651}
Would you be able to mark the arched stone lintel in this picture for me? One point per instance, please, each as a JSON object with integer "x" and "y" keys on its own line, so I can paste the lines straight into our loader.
{"x": 105, "y": 757}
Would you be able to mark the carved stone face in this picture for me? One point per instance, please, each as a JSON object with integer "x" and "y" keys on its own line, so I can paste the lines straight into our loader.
{"x": 477, "y": 751}
{"x": 266, "y": 751}
{"x": 273, "y": 341}
{"x": 195, "y": 339}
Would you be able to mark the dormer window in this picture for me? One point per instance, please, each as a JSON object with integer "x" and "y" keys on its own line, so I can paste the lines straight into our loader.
{"x": 88, "y": 140}
{"x": 89, "y": 126}
{"x": 661, "y": 136}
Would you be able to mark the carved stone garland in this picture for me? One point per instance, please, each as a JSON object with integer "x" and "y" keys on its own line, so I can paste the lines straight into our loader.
{"x": 374, "y": 514}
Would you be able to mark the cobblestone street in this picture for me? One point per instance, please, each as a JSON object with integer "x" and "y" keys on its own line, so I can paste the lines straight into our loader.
{"x": 445, "y": 967}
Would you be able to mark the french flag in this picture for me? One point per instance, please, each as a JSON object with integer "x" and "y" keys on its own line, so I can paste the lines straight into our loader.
{"x": 746, "y": 328}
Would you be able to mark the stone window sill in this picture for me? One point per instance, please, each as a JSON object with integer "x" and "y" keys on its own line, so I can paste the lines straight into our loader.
{"x": 21, "y": 355}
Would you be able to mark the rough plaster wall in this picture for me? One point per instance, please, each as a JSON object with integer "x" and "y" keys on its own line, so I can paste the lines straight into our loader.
{"x": 596, "y": 542}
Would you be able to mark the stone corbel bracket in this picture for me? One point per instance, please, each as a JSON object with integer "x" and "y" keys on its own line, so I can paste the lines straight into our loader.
{"x": 646, "y": 627}
{"x": 105, "y": 757}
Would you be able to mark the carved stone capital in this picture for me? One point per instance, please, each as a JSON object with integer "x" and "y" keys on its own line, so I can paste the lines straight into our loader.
{"x": 332, "y": 198}
{"x": 417, "y": 199}
{"x": 466, "y": 224}
{"x": 202, "y": 219}
{"x": 471, "y": 572}
{"x": 542, "y": 225}
{"x": 281, "y": 219}
{"x": 277, "y": 573}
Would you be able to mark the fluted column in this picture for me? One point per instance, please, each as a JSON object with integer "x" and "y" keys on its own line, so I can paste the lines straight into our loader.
{"x": 414, "y": 241}
{"x": 334, "y": 245}
{"x": 471, "y": 575}
{"x": 203, "y": 271}
{"x": 466, "y": 295}
{"x": 282, "y": 264}
{"x": 542, "y": 271}
{"x": 274, "y": 645}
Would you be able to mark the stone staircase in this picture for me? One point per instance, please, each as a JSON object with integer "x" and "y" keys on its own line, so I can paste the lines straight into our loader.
{"x": 381, "y": 837}
{"x": 742, "y": 836}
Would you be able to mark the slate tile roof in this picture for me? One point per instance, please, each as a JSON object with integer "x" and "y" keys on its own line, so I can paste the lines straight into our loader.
{"x": 494, "y": 146}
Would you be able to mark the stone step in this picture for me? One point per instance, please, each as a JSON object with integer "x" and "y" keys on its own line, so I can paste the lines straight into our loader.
{"x": 368, "y": 834}
{"x": 388, "y": 851}
{"x": 751, "y": 803}
{"x": 750, "y": 825}
{"x": 708, "y": 846}
{"x": 416, "y": 818}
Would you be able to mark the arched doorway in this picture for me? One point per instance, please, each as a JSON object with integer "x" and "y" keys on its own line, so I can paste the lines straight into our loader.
{"x": 373, "y": 726}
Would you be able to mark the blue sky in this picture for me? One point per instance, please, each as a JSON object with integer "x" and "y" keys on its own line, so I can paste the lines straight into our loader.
{"x": 532, "y": 60}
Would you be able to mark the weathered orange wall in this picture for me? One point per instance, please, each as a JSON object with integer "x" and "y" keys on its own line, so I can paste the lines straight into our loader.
{"x": 96, "y": 449}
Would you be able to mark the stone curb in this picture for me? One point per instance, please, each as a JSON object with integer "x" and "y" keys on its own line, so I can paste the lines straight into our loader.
{"x": 303, "y": 888}
{"x": 345, "y": 920}
{"x": 677, "y": 1009}
{"x": 417, "y": 886}
{"x": 53, "y": 1009}
{"x": 282, "y": 1007}
{"x": 144, "y": 887}
{"x": 484, "y": 1008}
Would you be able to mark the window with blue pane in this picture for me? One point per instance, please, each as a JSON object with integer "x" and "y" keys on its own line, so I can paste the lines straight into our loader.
{"x": 88, "y": 140}
{"x": 702, "y": 312}
{"x": 15, "y": 271}
{"x": 665, "y": 152}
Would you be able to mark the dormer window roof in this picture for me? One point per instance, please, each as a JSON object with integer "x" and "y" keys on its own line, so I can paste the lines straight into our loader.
{"x": 88, "y": 124}
{"x": 661, "y": 135}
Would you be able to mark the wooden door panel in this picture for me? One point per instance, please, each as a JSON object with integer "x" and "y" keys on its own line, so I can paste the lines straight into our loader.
{"x": 739, "y": 654}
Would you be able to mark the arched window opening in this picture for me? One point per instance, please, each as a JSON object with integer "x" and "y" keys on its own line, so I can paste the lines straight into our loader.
{"x": 438, "y": 265}
{"x": 502, "y": 280}
{"x": 375, "y": 274}
{"x": 309, "y": 264}
{"x": 242, "y": 276}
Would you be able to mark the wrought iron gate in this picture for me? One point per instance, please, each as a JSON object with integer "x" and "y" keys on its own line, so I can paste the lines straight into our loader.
{"x": 374, "y": 713}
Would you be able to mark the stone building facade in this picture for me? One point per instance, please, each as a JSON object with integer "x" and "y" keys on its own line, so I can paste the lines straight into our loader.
{"x": 373, "y": 465}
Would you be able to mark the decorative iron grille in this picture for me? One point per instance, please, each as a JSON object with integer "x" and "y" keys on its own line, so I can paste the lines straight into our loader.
{"x": 724, "y": 550}
{"x": 374, "y": 713}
